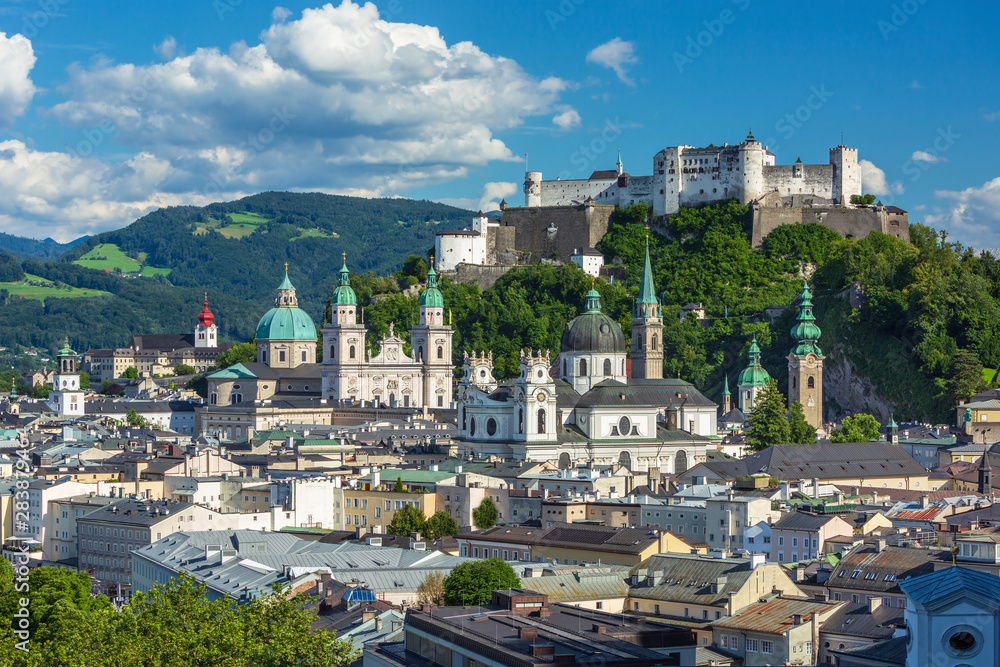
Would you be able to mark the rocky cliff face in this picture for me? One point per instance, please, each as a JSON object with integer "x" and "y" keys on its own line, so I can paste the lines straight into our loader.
{"x": 851, "y": 391}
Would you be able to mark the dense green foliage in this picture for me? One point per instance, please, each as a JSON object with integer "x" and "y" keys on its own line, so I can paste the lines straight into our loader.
{"x": 486, "y": 515}
{"x": 473, "y": 582}
{"x": 441, "y": 524}
{"x": 24, "y": 247}
{"x": 406, "y": 521}
{"x": 857, "y": 428}
{"x": 768, "y": 421}
{"x": 10, "y": 270}
{"x": 800, "y": 432}
{"x": 174, "y": 624}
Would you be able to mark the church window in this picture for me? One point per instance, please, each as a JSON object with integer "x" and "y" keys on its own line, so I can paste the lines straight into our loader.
{"x": 564, "y": 368}
{"x": 213, "y": 399}
{"x": 812, "y": 382}
{"x": 748, "y": 394}
{"x": 472, "y": 426}
{"x": 607, "y": 367}
{"x": 420, "y": 353}
{"x": 793, "y": 382}
{"x": 352, "y": 352}
{"x": 440, "y": 352}
{"x": 235, "y": 397}
{"x": 491, "y": 426}
{"x": 406, "y": 400}
{"x": 583, "y": 367}
{"x": 541, "y": 420}
{"x": 333, "y": 352}
{"x": 653, "y": 347}
{"x": 623, "y": 425}
{"x": 440, "y": 401}
{"x": 305, "y": 355}
{"x": 520, "y": 420}
{"x": 463, "y": 418}
{"x": 281, "y": 355}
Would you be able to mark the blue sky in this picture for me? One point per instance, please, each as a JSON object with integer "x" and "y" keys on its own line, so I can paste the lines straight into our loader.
{"x": 110, "y": 110}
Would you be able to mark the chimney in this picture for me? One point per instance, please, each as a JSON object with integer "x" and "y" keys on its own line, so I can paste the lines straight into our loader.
{"x": 367, "y": 615}
{"x": 378, "y": 623}
{"x": 880, "y": 544}
{"x": 654, "y": 480}
{"x": 796, "y": 619}
{"x": 925, "y": 500}
{"x": 815, "y": 487}
{"x": 800, "y": 573}
{"x": 874, "y": 603}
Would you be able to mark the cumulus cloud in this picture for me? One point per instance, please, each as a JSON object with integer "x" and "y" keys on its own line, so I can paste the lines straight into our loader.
{"x": 873, "y": 180}
{"x": 337, "y": 101}
{"x": 279, "y": 14}
{"x": 489, "y": 197}
{"x": 924, "y": 156}
{"x": 166, "y": 49}
{"x": 617, "y": 55}
{"x": 567, "y": 120}
{"x": 16, "y": 88}
{"x": 973, "y": 214}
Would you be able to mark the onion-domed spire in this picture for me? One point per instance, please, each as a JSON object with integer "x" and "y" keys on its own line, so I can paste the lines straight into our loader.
{"x": 205, "y": 317}
{"x": 431, "y": 297}
{"x": 806, "y": 333}
{"x": 754, "y": 374}
{"x": 343, "y": 294}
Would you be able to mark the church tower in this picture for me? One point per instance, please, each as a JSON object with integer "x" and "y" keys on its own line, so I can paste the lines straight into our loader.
{"x": 751, "y": 380}
{"x": 206, "y": 332}
{"x": 647, "y": 328}
{"x": 343, "y": 342}
{"x": 430, "y": 342}
{"x": 805, "y": 363}
{"x": 66, "y": 397}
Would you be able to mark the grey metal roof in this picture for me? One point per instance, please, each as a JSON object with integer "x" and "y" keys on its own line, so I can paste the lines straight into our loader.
{"x": 866, "y": 460}
{"x": 856, "y": 620}
{"x": 882, "y": 571}
{"x": 579, "y": 586}
{"x": 950, "y": 582}
{"x": 803, "y": 521}
{"x": 689, "y": 578}
{"x": 261, "y": 558}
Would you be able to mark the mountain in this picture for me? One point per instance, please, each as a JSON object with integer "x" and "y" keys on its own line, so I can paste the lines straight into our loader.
{"x": 23, "y": 247}
{"x": 233, "y": 251}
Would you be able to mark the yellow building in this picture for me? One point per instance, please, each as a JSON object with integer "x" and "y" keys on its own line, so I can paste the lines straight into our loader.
{"x": 374, "y": 510}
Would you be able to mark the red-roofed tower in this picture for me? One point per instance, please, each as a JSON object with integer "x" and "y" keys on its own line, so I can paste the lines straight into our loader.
{"x": 206, "y": 333}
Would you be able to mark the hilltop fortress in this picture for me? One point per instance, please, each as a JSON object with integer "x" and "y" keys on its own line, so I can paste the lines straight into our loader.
{"x": 561, "y": 218}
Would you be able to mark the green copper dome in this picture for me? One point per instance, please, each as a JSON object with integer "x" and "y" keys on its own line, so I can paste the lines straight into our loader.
{"x": 431, "y": 297}
{"x": 286, "y": 321}
{"x": 805, "y": 333}
{"x": 343, "y": 294}
{"x": 753, "y": 375}
{"x": 593, "y": 331}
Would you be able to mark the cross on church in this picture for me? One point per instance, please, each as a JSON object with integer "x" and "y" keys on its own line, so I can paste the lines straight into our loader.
{"x": 286, "y": 267}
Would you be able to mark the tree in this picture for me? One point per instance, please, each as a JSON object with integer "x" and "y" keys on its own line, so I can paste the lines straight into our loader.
{"x": 184, "y": 369}
{"x": 441, "y": 524}
{"x": 800, "y": 431}
{"x": 473, "y": 582}
{"x": 133, "y": 418}
{"x": 398, "y": 486}
{"x": 131, "y": 373}
{"x": 407, "y": 520}
{"x": 84, "y": 380}
{"x": 431, "y": 589}
{"x": 768, "y": 424}
{"x": 965, "y": 377}
{"x": 859, "y": 428}
{"x": 39, "y": 391}
{"x": 240, "y": 353}
{"x": 863, "y": 199}
{"x": 486, "y": 515}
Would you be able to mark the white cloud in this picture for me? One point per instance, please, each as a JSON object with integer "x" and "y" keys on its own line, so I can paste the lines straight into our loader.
{"x": 16, "y": 88}
{"x": 992, "y": 116}
{"x": 279, "y": 14}
{"x": 567, "y": 120}
{"x": 337, "y": 101}
{"x": 873, "y": 180}
{"x": 916, "y": 85}
{"x": 973, "y": 216}
{"x": 166, "y": 49}
{"x": 489, "y": 196}
{"x": 924, "y": 156}
{"x": 617, "y": 55}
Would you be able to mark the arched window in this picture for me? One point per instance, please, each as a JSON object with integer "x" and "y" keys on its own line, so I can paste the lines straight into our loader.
{"x": 420, "y": 353}
{"x": 654, "y": 342}
{"x": 812, "y": 382}
{"x": 680, "y": 462}
{"x": 794, "y": 384}
{"x": 235, "y": 397}
{"x": 625, "y": 459}
{"x": 520, "y": 420}
{"x": 623, "y": 367}
{"x": 440, "y": 352}
{"x": 607, "y": 367}
{"x": 564, "y": 462}
{"x": 583, "y": 367}
{"x": 352, "y": 352}
{"x": 472, "y": 426}
{"x": 213, "y": 399}
{"x": 333, "y": 352}
{"x": 564, "y": 368}
{"x": 541, "y": 420}
{"x": 464, "y": 425}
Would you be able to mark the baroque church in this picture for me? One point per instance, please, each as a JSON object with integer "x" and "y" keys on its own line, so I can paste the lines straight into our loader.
{"x": 592, "y": 411}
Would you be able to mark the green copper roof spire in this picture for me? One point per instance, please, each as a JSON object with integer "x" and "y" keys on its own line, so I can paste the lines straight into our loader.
{"x": 619, "y": 163}
{"x": 431, "y": 297}
{"x": 344, "y": 294}
{"x": 805, "y": 333}
{"x": 286, "y": 283}
{"x": 646, "y": 292}
{"x": 593, "y": 300}
{"x": 725, "y": 388}
{"x": 753, "y": 375}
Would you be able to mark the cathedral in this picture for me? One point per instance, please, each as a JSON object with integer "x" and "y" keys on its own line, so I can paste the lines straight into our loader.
{"x": 391, "y": 376}
{"x": 582, "y": 405}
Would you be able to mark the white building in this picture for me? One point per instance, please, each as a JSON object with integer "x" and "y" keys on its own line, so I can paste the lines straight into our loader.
{"x": 469, "y": 245}
{"x": 689, "y": 176}
{"x": 41, "y": 522}
{"x": 588, "y": 259}
{"x": 391, "y": 376}
{"x": 953, "y": 617}
{"x": 66, "y": 397}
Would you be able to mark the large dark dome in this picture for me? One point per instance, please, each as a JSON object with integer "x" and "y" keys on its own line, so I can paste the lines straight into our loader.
{"x": 593, "y": 331}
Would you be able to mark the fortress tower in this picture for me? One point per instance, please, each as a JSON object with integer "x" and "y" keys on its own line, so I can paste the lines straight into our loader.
{"x": 846, "y": 173}
{"x": 647, "y": 328}
{"x": 533, "y": 188}
{"x": 751, "y": 163}
{"x": 805, "y": 363}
